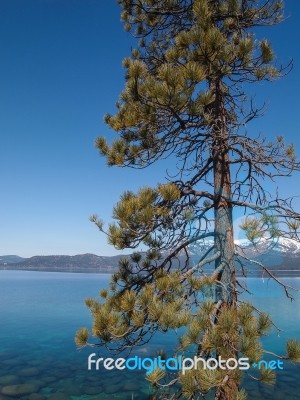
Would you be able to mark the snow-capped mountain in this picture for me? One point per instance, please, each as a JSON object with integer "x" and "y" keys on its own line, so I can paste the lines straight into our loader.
{"x": 280, "y": 245}
{"x": 281, "y": 255}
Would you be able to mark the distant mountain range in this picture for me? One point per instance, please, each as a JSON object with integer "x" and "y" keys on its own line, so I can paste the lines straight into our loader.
{"x": 282, "y": 257}
{"x": 10, "y": 259}
{"x": 79, "y": 263}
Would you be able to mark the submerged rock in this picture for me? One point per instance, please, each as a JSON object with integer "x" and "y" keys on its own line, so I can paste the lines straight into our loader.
{"x": 288, "y": 379}
{"x": 130, "y": 386}
{"x": 112, "y": 389}
{"x": 32, "y": 371}
{"x": 74, "y": 391}
{"x": 36, "y": 381}
{"x": 4, "y": 397}
{"x": 49, "y": 379}
{"x": 19, "y": 390}
{"x": 58, "y": 396}
{"x": 9, "y": 380}
{"x": 11, "y": 362}
{"x": 92, "y": 390}
{"x": 8, "y": 355}
{"x": 35, "y": 396}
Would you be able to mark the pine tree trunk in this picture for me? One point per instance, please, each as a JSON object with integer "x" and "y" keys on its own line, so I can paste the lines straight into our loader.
{"x": 226, "y": 290}
{"x": 224, "y": 240}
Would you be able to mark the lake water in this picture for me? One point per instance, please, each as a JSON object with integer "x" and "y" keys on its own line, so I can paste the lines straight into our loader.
{"x": 40, "y": 313}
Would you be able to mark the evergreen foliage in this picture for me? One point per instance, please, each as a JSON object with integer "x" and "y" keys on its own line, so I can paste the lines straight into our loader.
{"x": 184, "y": 98}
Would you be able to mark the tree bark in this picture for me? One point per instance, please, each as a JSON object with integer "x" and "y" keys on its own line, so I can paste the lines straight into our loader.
{"x": 224, "y": 240}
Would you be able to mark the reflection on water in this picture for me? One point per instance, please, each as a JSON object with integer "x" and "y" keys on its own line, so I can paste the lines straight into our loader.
{"x": 40, "y": 313}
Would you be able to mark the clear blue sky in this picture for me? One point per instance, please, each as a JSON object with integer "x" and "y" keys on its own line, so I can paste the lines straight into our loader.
{"x": 60, "y": 72}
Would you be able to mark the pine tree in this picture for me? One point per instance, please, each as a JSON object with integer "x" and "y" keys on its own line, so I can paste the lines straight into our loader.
{"x": 185, "y": 99}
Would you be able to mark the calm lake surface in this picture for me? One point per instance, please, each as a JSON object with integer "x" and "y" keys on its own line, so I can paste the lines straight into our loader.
{"x": 40, "y": 313}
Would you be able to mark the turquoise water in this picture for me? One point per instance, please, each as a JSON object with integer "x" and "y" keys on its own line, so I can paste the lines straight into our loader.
{"x": 40, "y": 313}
